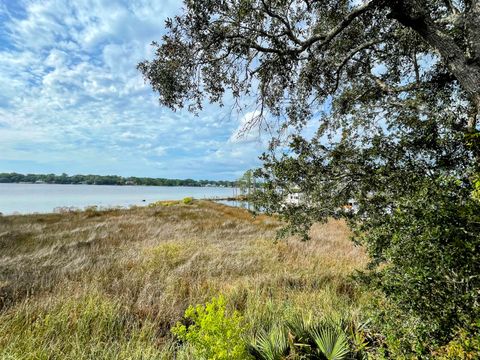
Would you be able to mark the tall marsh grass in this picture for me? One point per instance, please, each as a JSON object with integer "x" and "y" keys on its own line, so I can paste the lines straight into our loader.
{"x": 110, "y": 284}
{"x": 90, "y": 327}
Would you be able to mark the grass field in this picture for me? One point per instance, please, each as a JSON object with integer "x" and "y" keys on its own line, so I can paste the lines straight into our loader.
{"x": 110, "y": 284}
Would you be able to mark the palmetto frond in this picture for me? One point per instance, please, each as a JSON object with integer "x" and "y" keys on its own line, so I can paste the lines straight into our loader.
{"x": 270, "y": 345}
{"x": 301, "y": 328}
{"x": 331, "y": 342}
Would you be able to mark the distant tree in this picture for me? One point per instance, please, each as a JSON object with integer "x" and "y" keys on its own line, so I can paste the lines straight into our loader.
{"x": 400, "y": 80}
{"x": 246, "y": 183}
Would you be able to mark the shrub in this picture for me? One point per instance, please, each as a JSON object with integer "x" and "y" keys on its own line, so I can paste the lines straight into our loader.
{"x": 213, "y": 333}
{"x": 429, "y": 251}
{"x": 465, "y": 345}
{"x": 163, "y": 203}
{"x": 187, "y": 200}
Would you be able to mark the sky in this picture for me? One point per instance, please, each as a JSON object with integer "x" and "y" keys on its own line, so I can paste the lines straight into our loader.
{"x": 71, "y": 99}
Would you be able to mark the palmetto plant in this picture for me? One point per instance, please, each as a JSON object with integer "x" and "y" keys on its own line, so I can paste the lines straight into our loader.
{"x": 305, "y": 338}
{"x": 301, "y": 327}
{"x": 271, "y": 345}
{"x": 331, "y": 342}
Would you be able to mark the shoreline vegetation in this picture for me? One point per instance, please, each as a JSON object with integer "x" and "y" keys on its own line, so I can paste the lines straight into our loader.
{"x": 122, "y": 283}
{"x": 108, "y": 180}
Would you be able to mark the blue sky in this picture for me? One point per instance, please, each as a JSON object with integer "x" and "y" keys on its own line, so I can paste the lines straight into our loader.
{"x": 71, "y": 99}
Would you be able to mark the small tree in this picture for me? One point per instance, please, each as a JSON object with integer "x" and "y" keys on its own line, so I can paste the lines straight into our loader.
{"x": 246, "y": 183}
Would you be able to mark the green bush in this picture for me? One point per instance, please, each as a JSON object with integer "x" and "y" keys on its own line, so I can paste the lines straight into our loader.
{"x": 465, "y": 346}
{"x": 429, "y": 248}
{"x": 187, "y": 200}
{"x": 213, "y": 333}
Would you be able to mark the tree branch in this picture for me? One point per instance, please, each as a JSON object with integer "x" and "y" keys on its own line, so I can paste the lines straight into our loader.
{"x": 328, "y": 37}
{"x": 414, "y": 15}
{"x": 288, "y": 31}
{"x": 393, "y": 89}
{"x": 451, "y": 7}
{"x": 351, "y": 54}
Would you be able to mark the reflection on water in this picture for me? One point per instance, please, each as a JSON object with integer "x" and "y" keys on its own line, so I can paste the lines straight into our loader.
{"x": 42, "y": 198}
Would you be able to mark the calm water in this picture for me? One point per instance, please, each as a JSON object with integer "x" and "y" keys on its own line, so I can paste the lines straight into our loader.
{"x": 42, "y": 198}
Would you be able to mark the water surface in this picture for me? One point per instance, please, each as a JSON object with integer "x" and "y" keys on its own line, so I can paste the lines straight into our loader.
{"x": 43, "y": 198}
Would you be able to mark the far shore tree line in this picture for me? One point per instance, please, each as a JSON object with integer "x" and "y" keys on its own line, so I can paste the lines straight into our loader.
{"x": 108, "y": 180}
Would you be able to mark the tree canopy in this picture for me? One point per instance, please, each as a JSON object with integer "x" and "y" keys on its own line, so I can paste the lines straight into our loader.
{"x": 295, "y": 54}
{"x": 399, "y": 82}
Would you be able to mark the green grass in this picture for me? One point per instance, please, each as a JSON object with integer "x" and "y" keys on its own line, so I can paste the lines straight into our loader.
{"x": 91, "y": 327}
{"x": 110, "y": 284}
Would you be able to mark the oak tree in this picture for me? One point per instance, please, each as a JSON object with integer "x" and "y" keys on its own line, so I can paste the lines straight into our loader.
{"x": 393, "y": 87}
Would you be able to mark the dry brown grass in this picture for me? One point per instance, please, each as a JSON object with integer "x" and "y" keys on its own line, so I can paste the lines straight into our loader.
{"x": 156, "y": 261}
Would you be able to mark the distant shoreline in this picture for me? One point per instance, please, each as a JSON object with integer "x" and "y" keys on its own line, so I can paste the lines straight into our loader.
{"x": 64, "y": 179}
{"x": 45, "y": 183}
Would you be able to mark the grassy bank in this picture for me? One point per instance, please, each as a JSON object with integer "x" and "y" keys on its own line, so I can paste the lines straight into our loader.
{"x": 111, "y": 284}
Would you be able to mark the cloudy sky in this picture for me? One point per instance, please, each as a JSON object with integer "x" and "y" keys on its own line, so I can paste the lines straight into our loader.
{"x": 71, "y": 99}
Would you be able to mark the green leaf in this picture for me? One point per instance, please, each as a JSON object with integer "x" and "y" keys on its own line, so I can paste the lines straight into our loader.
{"x": 332, "y": 342}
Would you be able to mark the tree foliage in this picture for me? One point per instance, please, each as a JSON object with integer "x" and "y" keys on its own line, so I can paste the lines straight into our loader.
{"x": 399, "y": 134}
{"x": 429, "y": 252}
{"x": 246, "y": 183}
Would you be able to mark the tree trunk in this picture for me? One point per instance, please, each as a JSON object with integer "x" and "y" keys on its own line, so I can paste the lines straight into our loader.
{"x": 414, "y": 14}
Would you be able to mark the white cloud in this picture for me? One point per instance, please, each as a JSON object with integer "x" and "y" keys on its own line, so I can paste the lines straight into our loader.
{"x": 251, "y": 128}
{"x": 160, "y": 150}
{"x": 69, "y": 89}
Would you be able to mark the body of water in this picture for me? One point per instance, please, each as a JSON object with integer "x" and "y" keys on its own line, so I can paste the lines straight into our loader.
{"x": 43, "y": 198}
